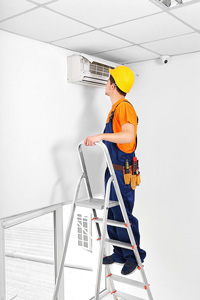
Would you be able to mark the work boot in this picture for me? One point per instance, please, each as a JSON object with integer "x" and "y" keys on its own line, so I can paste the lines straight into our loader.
{"x": 108, "y": 260}
{"x": 129, "y": 267}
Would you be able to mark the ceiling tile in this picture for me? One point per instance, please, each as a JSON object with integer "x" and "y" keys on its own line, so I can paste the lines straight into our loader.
{"x": 190, "y": 14}
{"x": 176, "y": 45}
{"x": 95, "y": 41}
{"x": 127, "y": 55}
{"x": 44, "y": 25}
{"x": 10, "y": 8}
{"x": 149, "y": 28}
{"x": 104, "y": 13}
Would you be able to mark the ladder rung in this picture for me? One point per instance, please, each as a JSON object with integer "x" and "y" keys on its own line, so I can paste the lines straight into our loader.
{"x": 95, "y": 203}
{"x": 119, "y": 244}
{"x": 127, "y": 296}
{"x": 111, "y": 222}
{"x": 128, "y": 281}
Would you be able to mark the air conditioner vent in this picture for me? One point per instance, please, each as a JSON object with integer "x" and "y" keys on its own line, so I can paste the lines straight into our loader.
{"x": 99, "y": 69}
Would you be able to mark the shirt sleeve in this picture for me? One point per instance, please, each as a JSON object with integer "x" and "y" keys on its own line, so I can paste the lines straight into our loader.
{"x": 125, "y": 113}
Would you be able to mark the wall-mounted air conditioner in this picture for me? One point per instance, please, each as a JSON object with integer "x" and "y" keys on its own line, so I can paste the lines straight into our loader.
{"x": 85, "y": 69}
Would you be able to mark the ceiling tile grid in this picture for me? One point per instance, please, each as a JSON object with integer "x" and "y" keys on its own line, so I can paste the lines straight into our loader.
{"x": 149, "y": 29}
{"x": 124, "y": 32}
{"x": 95, "y": 41}
{"x": 105, "y": 13}
{"x": 189, "y": 14}
{"x": 176, "y": 45}
{"x": 128, "y": 55}
{"x": 42, "y": 1}
{"x": 44, "y": 25}
{"x": 9, "y": 8}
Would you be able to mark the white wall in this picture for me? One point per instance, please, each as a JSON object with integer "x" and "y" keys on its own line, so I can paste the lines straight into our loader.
{"x": 42, "y": 120}
{"x": 166, "y": 99}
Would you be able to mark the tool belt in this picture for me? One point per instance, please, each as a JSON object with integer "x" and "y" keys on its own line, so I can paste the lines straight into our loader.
{"x": 130, "y": 177}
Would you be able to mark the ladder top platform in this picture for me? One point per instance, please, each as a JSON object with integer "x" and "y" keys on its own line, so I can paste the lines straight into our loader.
{"x": 95, "y": 203}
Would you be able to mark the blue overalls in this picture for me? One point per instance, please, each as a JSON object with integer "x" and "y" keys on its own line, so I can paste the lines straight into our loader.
{"x": 116, "y": 233}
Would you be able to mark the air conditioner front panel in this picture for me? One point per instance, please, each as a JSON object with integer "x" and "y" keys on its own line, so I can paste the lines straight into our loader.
{"x": 83, "y": 71}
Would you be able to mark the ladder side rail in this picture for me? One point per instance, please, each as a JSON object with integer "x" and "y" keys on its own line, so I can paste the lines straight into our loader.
{"x": 121, "y": 202}
{"x": 101, "y": 251}
{"x": 84, "y": 169}
{"x": 70, "y": 221}
{"x": 102, "y": 294}
{"x": 97, "y": 225}
{"x": 110, "y": 280}
{"x": 108, "y": 159}
{"x": 139, "y": 261}
{"x": 87, "y": 183}
{"x": 132, "y": 239}
{"x": 88, "y": 187}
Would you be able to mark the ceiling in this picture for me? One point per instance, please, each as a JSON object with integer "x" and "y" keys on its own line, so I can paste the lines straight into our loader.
{"x": 121, "y": 31}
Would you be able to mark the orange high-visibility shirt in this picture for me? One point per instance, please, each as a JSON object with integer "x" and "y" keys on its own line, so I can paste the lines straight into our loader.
{"x": 125, "y": 113}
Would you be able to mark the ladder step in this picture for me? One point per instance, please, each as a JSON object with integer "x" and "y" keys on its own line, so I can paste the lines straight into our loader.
{"x": 111, "y": 222}
{"x": 95, "y": 203}
{"x": 127, "y": 281}
{"x": 127, "y": 296}
{"x": 119, "y": 244}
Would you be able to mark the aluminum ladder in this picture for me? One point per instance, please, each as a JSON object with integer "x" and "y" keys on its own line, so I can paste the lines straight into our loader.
{"x": 104, "y": 204}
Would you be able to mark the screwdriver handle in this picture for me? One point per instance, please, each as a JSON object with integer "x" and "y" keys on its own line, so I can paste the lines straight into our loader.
{"x": 127, "y": 171}
{"x": 134, "y": 165}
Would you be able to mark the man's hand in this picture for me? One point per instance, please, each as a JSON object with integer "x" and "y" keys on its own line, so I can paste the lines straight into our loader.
{"x": 91, "y": 140}
{"x": 124, "y": 137}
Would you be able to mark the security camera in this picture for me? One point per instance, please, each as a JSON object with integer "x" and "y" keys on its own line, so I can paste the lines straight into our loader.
{"x": 165, "y": 59}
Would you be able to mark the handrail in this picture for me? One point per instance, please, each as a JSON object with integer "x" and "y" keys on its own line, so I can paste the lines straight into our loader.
{"x": 27, "y": 216}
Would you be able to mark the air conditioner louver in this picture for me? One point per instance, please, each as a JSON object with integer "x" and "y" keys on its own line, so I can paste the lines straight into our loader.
{"x": 94, "y": 81}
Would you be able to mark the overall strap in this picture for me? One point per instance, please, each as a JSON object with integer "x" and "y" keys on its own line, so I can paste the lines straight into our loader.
{"x": 112, "y": 115}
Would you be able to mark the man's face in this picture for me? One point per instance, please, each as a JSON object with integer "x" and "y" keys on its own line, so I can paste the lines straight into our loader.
{"x": 108, "y": 88}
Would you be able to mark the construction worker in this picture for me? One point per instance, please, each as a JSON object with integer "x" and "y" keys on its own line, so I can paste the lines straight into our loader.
{"x": 120, "y": 138}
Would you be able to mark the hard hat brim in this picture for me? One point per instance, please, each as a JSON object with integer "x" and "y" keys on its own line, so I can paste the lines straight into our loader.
{"x": 110, "y": 71}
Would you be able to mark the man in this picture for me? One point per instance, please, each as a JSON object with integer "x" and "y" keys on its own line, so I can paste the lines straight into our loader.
{"x": 120, "y": 138}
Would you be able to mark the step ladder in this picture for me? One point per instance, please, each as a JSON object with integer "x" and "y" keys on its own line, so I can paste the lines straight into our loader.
{"x": 104, "y": 204}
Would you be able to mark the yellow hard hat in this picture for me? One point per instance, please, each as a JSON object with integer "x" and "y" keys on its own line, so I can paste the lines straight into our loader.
{"x": 124, "y": 78}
